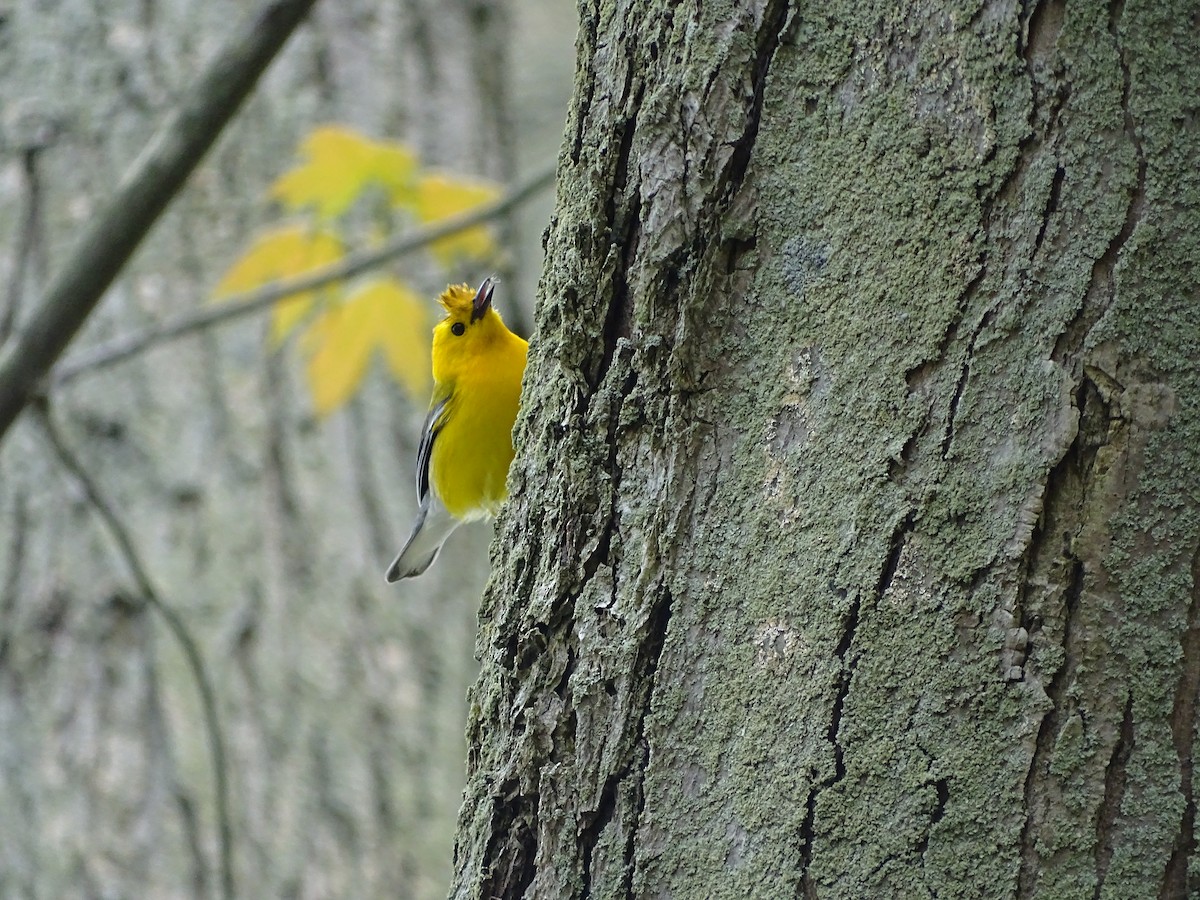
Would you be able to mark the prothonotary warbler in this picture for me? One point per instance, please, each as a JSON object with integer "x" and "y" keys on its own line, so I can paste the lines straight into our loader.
{"x": 466, "y": 442}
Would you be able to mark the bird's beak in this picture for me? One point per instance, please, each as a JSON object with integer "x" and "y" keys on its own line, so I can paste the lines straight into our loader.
{"x": 483, "y": 298}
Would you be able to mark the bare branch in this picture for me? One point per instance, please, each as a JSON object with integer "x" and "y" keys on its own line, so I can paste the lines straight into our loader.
{"x": 29, "y": 240}
{"x": 175, "y": 624}
{"x": 150, "y": 184}
{"x": 238, "y": 305}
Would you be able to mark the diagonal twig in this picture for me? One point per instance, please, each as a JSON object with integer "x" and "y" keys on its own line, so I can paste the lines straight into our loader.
{"x": 175, "y": 625}
{"x": 237, "y": 305}
{"x": 29, "y": 240}
{"x": 141, "y": 196}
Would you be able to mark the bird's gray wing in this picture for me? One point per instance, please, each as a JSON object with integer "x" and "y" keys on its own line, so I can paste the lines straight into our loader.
{"x": 429, "y": 433}
{"x": 433, "y": 523}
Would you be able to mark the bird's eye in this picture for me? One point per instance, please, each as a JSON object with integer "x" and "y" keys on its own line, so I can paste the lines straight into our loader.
{"x": 458, "y": 328}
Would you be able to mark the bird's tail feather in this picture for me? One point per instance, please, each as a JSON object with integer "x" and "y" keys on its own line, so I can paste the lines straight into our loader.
{"x": 430, "y": 530}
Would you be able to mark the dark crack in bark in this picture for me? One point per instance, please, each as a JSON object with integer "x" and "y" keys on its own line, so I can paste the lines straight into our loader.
{"x": 512, "y": 843}
{"x": 850, "y": 621}
{"x": 1052, "y": 559}
{"x": 1042, "y": 27}
{"x": 1068, "y": 485}
{"x": 1044, "y": 749}
{"x": 1049, "y": 548}
{"x": 1060, "y": 175}
{"x": 1114, "y": 792}
{"x": 585, "y": 47}
{"x": 623, "y": 215}
{"x": 964, "y": 374}
{"x": 766, "y": 43}
{"x": 1101, "y": 287}
{"x": 807, "y": 888}
{"x": 942, "y": 793}
{"x": 1050, "y": 551}
{"x": 634, "y": 767}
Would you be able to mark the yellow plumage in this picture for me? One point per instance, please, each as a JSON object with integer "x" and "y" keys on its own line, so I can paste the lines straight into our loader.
{"x": 466, "y": 444}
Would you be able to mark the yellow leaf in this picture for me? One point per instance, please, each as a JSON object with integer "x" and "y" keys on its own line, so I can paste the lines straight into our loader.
{"x": 279, "y": 253}
{"x": 340, "y": 342}
{"x": 440, "y": 196}
{"x": 382, "y": 313}
{"x": 396, "y": 169}
{"x": 403, "y": 322}
{"x": 287, "y": 314}
{"x": 331, "y": 175}
{"x": 275, "y": 255}
{"x": 338, "y": 165}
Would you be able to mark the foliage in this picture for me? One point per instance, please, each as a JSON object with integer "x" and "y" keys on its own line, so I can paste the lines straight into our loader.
{"x": 343, "y": 176}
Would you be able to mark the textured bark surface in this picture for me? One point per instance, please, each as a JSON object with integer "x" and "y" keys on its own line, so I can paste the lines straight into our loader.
{"x": 854, "y": 537}
{"x": 268, "y": 531}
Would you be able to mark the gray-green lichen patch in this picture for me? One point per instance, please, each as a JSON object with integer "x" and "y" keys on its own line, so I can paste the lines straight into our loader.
{"x": 850, "y": 499}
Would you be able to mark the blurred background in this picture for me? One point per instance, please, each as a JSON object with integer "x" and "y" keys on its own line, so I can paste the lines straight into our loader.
{"x": 265, "y": 526}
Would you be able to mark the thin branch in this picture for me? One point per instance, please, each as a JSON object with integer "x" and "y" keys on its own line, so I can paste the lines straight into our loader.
{"x": 238, "y": 305}
{"x": 179, "y": 631}
{"x": 191, "y": 836}
{"x": 28, "y": 241}
{"x": 370, "y": 497}
{"x": 140, "y": 197}
{"x": 14, "y": 571}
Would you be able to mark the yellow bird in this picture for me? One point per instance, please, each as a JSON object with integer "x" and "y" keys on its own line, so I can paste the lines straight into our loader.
{"x": 466, "y": 442}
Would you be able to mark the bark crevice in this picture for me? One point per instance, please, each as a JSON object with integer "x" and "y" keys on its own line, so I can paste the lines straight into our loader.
{"x": 511, "y": 854}
{"x": 586, "y": 51}
{"x": 849, "y": 628}
{"x": 1047, "y": 734}
{"x": 633, "y": 767}
{"x": 624, "y": 226}
{"x": 766, "y": 43}
{"x": 1042, "y": 29}
{"x": 1114, "y": 793}
{"x": 1137, "y": 197}
{"x": 1055, "y": 562}
{"x": 942, "y": 793}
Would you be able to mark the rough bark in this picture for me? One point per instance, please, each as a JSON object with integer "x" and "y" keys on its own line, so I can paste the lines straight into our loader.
{"x": 853, "y": 542}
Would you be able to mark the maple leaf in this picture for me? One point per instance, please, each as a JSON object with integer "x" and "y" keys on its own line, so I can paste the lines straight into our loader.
{"x": 338, "y": 166}
{"x": 403, "y": 322}
{"x": 440, "y": 196}
{"x": 279, "y": 254}
{"x": 343, "y": 331}
{"x": 381, "y": 314}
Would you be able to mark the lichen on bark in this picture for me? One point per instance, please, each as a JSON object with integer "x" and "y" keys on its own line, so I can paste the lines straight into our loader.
{"x": 848, "y": 552}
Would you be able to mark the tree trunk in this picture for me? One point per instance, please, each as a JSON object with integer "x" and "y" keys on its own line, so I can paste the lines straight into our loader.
{"x": 853, "y": 546}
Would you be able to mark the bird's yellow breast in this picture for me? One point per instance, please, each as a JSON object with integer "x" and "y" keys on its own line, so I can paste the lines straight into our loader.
{"x": 470, "y": 457}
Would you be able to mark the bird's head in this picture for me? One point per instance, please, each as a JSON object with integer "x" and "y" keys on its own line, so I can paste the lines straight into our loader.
{"x": 470, "y": 328}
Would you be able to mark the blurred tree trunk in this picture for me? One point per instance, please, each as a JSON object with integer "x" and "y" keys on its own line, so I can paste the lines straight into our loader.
{"x": 268, "y": 531}
{"x": 853, "y": 547}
